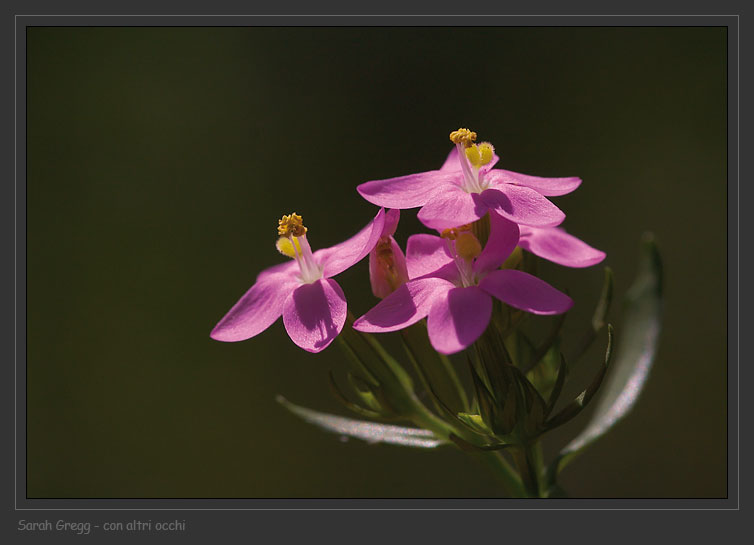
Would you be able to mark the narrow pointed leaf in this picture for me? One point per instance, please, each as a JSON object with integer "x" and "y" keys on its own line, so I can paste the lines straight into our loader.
{"x": 483, "y": 397}
{"x": 424, "y": 378}
{"x": 350, "y": 405}
{"x": 559, "y": 382}
{"x": 598, "y": 318}
{"x": 372, "y": 410}
{"x": 548, "y": 343}
{"x": 474, "y": 422}
{"x": 347, "y": 342}
{"x": 370, "y": 432}
{"x": 436, "y": 368}
{"x": 466, "y": 425}
{"x": 582, "y": 400}
{"x": 634, "y": 355}
{"x": 534, "y": 406}
{"x": 521, "y": 349}
{"x": 363, "y": 391}
{"x": 506, "y": 418}
{"x": 545, "y": 374}
{"x": 603, "y": 305}
{"x": 470, "y": 447}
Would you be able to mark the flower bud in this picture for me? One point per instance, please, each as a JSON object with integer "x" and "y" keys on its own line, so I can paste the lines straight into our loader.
{"x": 387, "y": 267}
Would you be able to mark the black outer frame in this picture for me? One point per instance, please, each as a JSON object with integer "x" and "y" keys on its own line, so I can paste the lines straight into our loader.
{"x": 199, "y": 512}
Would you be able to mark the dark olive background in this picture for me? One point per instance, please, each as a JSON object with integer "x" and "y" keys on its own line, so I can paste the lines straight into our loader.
{"x": 159, "y": 160}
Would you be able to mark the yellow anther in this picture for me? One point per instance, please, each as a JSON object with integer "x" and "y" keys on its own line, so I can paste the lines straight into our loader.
{"x": 479, "y": 155}
{"x": 486, "y": 151}
{"x": 467, "y": 245}
{"x": 454, "y": 232}
{"x": 473, "y": 155}
{"x": 291, "y": 226}
{"x": 288, "y": 246}
{"x": 463, "y": 136}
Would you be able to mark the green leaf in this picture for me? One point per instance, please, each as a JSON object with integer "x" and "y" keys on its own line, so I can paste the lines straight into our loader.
{"x": 558, "y": 387}
{"x": 544, "y": 375}
{"x": 603, "y": 305}
{"x": 470, "y": 447}
{"x": 598, "y": 318}
{"x": 550, "y": 341}
{"x": 474, "y": 422}
{"x": 435, "y": 370}
{"x": 363, "y": 390}
{"x": 532, "y": 407}
{"x": 634, "y": 355}
{"x": 372, "y": 412}
{"x": 582, "y": 400}
{"x": 370, "y": 432}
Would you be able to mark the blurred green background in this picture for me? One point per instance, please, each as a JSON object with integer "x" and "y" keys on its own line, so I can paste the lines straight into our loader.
{"x": 159, "y": 160}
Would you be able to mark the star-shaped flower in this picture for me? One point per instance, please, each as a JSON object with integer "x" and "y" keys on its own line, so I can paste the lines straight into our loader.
{"x": 466, "y": 187}
{"x": 452, "y": 284}
{"x": 312, "y": 304}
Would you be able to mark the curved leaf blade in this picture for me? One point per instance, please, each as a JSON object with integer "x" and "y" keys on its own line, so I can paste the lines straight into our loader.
{"x": 370, "y": 432}
{"x": 634, "y": 355}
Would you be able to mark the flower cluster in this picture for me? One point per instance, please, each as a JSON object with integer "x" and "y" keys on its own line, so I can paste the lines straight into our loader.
{"x": 482, "y": 215}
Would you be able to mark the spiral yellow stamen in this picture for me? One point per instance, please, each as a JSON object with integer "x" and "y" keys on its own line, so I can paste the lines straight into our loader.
{"x": 291, "y": 226}
{"x": 486, "y": 151}
{"x": 288, "y": 246}
{"x": 463, "y": 136}
{"x": 467, "y": 246}
{"x": 454, "y": 232}
{"x": 479, "y": 155}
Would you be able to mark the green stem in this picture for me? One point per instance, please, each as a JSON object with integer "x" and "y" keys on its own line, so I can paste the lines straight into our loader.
{"x": 391, "y": 375}
{"x": 511, "y": 481}
{"x": 435, "y": 369}
{"x": 528, "y": 460}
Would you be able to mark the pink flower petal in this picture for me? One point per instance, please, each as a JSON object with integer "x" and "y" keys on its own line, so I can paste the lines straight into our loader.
{"x": 451, "y": 207}
{"x": 404, "y": 307}
{"x": 457, "y": 320}
{"x": 405, "y": 191}
{"x": 314, "y": 314}
{"x": 257, "y": 310}
{"x": 555, "y": 245}
{"x": 523, "y": 206}
{"x": 382, "y": 280}
{"x": 550, "y": 187}
{"x": 448, "y": 272}
{"x": 338, "y": 258}
{"x": 451, "y": 163}
{"x": 503, "y": 239}
{"x": 525, "y": 292}
{"x": 425, "y": 254}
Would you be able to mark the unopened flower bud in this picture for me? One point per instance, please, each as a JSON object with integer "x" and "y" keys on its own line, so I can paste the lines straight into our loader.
{"x": 387, "y": 267}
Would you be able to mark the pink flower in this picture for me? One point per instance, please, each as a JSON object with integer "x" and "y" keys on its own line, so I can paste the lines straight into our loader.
{"x": 452, "y": 284}
{"x": 554, "y": 244}
{"x": 387, "y": 264}
{"x": 302, "y": 291}
{"x": 465, "y": 188}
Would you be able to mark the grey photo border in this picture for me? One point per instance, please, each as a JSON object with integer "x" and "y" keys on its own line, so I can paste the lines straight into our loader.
{"x": 202, "y": 509}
